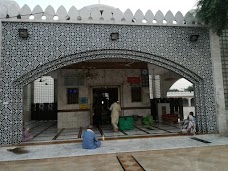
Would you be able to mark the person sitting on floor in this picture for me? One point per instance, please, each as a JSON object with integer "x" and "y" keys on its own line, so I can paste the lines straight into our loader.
{"x": 90, "y": 140}
{"x": 188, "y": 125}
{"x": 26, "y": 135}
{"x": 191, "y": 125}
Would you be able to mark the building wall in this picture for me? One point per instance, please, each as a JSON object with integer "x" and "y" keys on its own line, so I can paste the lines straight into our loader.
{"x": 105, "y": 77}
{"x": 27, "y": 100}
{"x": 186, "y": 95}
{"x": 224, "y": 58}
{"x": 53, "y": 45}
{"x": 218, "y": 83}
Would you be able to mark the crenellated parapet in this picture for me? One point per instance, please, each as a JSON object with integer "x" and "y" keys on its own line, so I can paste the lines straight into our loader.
{"x": 94, "y": 14}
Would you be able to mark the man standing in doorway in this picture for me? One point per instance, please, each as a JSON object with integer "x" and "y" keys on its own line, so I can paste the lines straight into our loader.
{"x": 115, "y": 109}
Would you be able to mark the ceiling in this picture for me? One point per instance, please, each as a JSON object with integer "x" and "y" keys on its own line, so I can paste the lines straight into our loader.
{"x": 120, "y": 63}
{"x": 108, "y": 65}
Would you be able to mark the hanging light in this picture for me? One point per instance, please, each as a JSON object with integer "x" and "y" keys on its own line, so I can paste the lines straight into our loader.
{"x": 114, "y": 36}
{"x": 23, "y": 33}
{"x": 194, "y": 38}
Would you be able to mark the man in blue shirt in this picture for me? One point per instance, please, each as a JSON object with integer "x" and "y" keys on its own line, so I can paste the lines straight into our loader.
{"x": 90, "y": 140}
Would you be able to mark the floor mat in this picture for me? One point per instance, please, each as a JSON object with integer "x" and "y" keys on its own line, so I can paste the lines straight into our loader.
{"x": 129, "y": 163}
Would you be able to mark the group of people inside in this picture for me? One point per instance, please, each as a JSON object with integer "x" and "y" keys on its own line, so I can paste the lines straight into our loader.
{"x": 90, "y": 141}
{"x": 115, "y": 110}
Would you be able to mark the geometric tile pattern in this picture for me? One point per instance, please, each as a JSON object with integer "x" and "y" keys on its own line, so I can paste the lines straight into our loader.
{"x": 53, "y": 45}
{"x": 224, "y": 59}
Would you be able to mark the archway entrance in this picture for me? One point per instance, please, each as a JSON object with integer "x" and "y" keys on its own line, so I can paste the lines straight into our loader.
{"x": 105, "y": 81}
{"x": 122, "y": 54}
{"x": 70, "y": 43}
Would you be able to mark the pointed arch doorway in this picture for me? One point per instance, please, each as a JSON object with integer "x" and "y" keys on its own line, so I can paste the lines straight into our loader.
{"x": 200, "y": 93}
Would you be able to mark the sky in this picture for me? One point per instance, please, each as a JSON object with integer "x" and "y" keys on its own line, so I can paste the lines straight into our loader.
{"x": 181, "y": 84}
{"x": 154, "y": 5}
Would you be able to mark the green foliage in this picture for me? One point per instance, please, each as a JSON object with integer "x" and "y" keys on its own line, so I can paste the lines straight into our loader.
{"x": 190, "y": 88}
{"x": 148, "y": 120}
{"x": 213, "y": 13}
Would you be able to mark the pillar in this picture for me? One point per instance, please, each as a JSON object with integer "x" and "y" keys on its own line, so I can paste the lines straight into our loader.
{"x": 218, "y": 83}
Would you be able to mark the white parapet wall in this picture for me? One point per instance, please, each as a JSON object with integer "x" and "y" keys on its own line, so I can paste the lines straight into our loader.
{"x": 180, "y": 94}
{"x": 101, "y": 14}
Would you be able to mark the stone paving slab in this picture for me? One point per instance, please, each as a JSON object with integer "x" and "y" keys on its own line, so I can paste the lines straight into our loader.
{"x": 111, "y": 146}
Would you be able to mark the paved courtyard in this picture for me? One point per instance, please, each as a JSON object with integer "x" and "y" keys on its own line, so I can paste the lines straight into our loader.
{"x": 200, "y": 152}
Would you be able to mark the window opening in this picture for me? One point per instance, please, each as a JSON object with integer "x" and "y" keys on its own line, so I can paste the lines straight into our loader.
{"x": 72, "y": 95}
{"x": 136, "y": 94}
{"x": 44, "y": 90}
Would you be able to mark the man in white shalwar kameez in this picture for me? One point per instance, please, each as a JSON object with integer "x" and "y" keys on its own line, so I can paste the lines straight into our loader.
{"x": 191, "y": 124}
{"x": 115, "y": 108}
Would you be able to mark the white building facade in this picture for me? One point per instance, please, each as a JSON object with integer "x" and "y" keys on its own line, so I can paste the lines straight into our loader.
{"x": 83, "y": 36}
{"x": 188, "y": 101}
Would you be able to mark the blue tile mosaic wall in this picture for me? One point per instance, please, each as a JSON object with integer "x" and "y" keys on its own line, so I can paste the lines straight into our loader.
{"x": 53, "y": 45}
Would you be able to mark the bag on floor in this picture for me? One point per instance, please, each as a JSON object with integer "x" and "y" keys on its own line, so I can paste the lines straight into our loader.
{"x": 148, "y": 120}
{"x": 126, "y": 123}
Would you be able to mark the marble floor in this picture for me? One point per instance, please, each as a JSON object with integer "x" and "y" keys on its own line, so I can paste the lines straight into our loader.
{"x": 175, "y": 153}
{"x": 47, "y": 131}
{"x": 143, "y": 149}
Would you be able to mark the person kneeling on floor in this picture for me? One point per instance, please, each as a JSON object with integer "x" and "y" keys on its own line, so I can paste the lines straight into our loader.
{"x": 90, "y": 140}
{"x": 26, "y": 135}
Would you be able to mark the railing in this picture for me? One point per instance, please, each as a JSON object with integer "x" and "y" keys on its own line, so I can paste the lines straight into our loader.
{"x": 180, "y": 94}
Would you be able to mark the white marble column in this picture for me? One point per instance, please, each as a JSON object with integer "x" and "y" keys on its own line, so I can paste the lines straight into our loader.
{"x": 189, "y": 101}
{"x": 152, "y": 83}
{"x": 27, "y": 101}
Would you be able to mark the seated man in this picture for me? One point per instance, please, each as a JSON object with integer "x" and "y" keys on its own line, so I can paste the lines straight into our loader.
{"x": 188, "y": 125}
{"x": 90, "y": 140}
